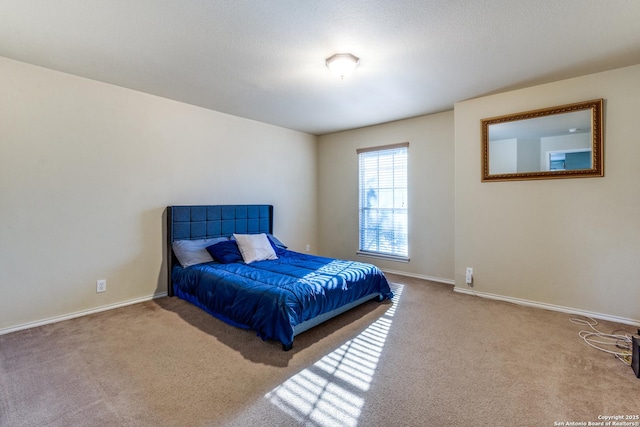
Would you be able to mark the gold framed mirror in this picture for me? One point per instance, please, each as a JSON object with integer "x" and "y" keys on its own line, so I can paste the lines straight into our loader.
{"x": 558, "y": 142}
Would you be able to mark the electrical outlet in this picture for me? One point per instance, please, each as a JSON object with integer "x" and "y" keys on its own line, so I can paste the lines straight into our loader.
{"x": 469, "y": 276}
{"x": 308, "y": 247}
{"x": 101, "y": 285}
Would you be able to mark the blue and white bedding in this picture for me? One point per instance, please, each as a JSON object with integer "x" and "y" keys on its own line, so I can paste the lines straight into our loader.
{"x": 272, "y": 297}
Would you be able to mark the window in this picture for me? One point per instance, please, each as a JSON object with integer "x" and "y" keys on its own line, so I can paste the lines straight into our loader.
{"x": 383, "y": 201}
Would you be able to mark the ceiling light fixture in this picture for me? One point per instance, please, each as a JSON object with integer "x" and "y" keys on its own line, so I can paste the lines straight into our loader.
{"x": 342, "y": 64}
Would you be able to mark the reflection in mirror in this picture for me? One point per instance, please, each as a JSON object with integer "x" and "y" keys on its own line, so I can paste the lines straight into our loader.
{"x": 558, "y": 142}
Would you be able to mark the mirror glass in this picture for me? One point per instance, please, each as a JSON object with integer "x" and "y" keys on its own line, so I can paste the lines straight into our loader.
{"x": 557, "y": 142}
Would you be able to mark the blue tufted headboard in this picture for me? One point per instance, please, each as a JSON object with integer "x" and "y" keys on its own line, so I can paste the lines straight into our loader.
{"x": 208, "y": 221}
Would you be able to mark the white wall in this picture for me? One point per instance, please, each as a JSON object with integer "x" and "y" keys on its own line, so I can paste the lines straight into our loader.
{"x": 503, "y": 156}
{"x": 430, "y": 195}
{"x": 87, "y": 169}
{"x": 573, "y": 243}
{"x": 528, "y": 155}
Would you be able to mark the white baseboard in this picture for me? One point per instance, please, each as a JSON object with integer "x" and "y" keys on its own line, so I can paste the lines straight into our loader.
{"x": 551, "y": 307}
{"x": 420, "y": 276}
{"x": 513, "y": 300}
{"x": 79, "y": 314}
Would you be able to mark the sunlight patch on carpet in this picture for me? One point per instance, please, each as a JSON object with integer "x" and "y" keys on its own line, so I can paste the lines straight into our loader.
{"x": 332, "y": 391}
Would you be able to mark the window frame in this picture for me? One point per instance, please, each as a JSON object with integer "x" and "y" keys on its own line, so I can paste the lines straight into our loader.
{"x": 394, "y": 255}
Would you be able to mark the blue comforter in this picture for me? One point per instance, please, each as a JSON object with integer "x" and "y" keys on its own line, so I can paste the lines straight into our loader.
{"x": 274, "y": 296}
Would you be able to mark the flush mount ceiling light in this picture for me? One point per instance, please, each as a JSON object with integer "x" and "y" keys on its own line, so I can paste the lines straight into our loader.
{"x": 342, "y": 64}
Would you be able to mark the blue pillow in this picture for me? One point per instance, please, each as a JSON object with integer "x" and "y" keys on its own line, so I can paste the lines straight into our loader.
{"x": 275, "y": 241}
{"x": 278, "y": 246}
{"x": 225, "y": 252}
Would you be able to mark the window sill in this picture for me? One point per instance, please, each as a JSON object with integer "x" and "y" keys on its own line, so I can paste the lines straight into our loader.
{"x": 383, "y": 256}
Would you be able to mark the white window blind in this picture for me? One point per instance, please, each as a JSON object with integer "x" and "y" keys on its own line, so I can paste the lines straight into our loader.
{"x": 383, "y": 200}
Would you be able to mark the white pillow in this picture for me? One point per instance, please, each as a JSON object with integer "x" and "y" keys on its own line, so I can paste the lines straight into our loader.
{"x": 255, "y": 247}
{"x": 191, "y": 252}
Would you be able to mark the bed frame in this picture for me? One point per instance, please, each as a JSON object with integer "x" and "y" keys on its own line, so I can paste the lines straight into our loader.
{"x": 209, "y": 221}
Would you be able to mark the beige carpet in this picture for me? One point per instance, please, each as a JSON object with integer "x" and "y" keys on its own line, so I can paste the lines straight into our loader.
{"x": 432, "y": 358}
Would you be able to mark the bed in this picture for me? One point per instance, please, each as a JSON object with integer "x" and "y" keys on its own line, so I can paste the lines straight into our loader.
{"x": 280, "y": 294}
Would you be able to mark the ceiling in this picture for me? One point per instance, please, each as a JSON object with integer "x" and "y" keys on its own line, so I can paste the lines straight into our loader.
{"x": 573, "y": 122}
{"x": 265, "y": 59}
